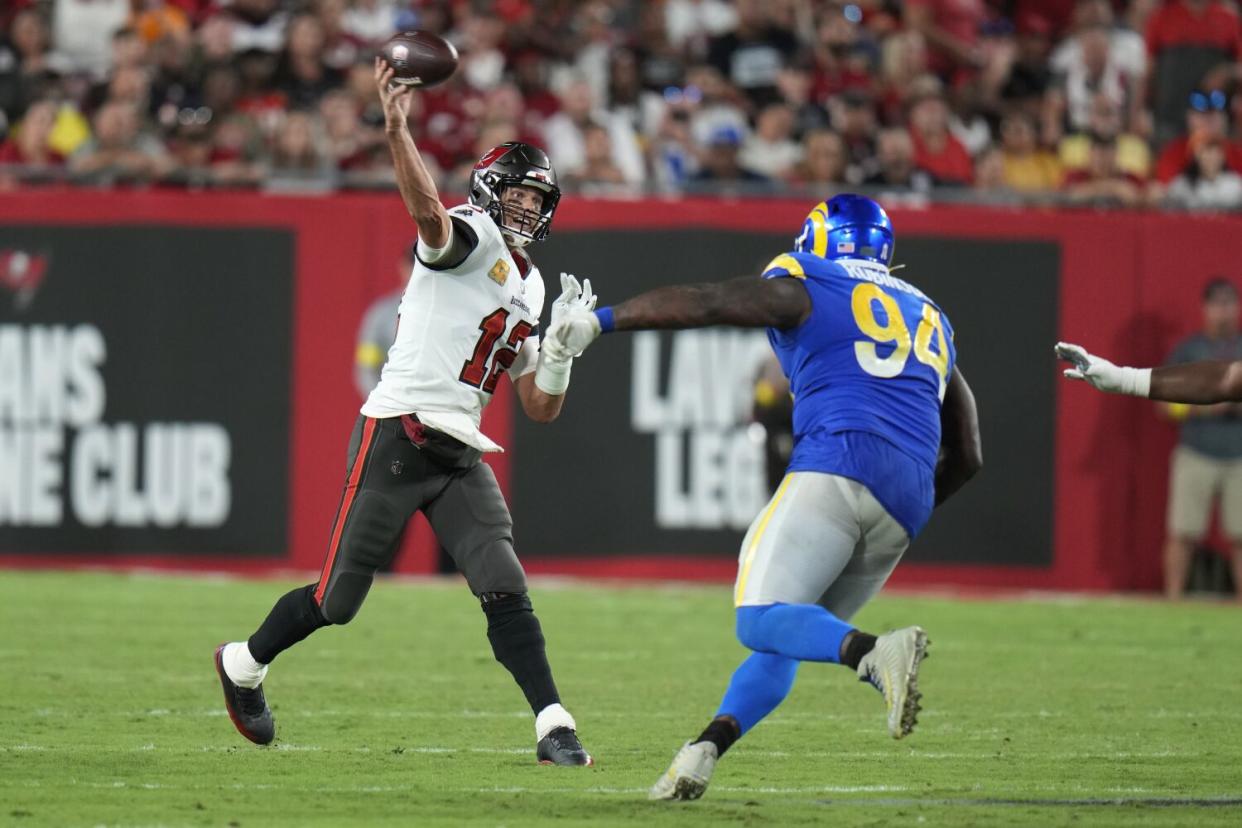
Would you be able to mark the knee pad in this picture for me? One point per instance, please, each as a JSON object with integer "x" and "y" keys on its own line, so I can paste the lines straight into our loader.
{"x": 344, "y": 597}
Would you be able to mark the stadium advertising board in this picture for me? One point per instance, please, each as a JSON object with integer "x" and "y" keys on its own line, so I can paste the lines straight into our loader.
{"x": 144, "y": 390}
{"x": 664, "y": 460}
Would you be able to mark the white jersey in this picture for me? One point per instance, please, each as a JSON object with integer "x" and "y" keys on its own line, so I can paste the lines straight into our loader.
{"x": 458, "y": 330}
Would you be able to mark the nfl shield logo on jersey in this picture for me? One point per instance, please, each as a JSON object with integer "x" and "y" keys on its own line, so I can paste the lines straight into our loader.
{"x": 499, "y": 272}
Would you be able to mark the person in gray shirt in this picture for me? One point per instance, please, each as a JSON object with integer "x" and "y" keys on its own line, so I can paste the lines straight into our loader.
{"x": 1207, "y": 463}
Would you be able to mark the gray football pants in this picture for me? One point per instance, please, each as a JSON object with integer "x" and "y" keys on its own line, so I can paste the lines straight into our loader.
{"x": 388, "y": 479}
{"x": 823, "y": 539}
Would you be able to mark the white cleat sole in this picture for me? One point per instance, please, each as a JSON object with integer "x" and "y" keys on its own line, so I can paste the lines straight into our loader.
{"x": 908, "y": 706}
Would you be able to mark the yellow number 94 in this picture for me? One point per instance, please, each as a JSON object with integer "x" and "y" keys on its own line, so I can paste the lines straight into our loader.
{"x": 895, "y": 332}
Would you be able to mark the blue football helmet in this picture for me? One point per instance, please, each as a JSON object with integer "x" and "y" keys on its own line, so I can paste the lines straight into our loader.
{"x": 848, "y": 226}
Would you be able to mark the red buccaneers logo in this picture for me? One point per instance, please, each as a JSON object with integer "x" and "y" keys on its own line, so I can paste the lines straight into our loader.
{"x": 21, "y": 273}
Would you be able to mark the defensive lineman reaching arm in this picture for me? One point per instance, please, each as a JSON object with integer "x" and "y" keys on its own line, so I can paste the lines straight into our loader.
{"x": 542, "y": 393}
{"x": 749, "y": 302}
{"x": 1195, "y": 383}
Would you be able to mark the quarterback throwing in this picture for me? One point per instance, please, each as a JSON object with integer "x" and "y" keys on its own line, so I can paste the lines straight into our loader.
{"x": 469, "y": 315}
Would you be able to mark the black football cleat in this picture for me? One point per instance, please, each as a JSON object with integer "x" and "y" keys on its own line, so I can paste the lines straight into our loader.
{"x": 247, "y": 708}
{"x": 561, "y": 747}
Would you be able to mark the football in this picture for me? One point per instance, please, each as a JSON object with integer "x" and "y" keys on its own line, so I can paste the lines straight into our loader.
{"x": 420, "y": 58}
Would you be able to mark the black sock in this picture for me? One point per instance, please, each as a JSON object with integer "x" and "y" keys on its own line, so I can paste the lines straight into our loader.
{"x": 517, "y": 642}
{"x": 722, "y": 732}
{"x": 295, "y": 616}
{"x": 856, "y": 645}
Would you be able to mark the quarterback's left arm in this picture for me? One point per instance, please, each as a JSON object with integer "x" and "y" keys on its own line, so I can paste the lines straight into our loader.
{"x": 748, "y": 302}
{"x": 1196, "y": 383}
{"x": 541, "y": 376}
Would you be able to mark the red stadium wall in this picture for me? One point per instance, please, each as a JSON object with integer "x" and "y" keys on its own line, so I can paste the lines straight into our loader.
{"x": 1129, "y": 289}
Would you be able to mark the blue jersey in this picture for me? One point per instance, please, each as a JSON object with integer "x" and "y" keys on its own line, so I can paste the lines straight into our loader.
{"x": 868, "y": 370}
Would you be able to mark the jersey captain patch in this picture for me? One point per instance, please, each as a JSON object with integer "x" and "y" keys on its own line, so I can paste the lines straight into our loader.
{"x": 499, "y": 272}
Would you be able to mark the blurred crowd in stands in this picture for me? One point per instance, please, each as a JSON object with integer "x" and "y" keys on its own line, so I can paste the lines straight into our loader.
{"x": 1103, "y": 102}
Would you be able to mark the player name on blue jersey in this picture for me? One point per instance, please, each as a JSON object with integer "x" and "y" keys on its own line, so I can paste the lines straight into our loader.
{"x": 868, "y": 370}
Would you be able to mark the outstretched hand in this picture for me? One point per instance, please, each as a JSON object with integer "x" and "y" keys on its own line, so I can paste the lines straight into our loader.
{"x": 1101, "y": 373}
{"x": 395, "y": 97}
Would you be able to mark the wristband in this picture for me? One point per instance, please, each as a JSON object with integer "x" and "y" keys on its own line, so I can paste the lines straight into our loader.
{"x": 1138, "y": 382}
{"x": 552, "y": 376}
{"x": 606, "y": 323}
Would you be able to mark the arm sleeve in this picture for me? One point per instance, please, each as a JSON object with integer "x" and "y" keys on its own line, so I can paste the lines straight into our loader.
{"x": 462, "y": 242}
{"x": 527, "y": 358}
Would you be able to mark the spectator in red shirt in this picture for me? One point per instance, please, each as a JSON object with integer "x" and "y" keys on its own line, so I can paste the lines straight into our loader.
{"x": 1186, "y": 39}
{"x": 951, "y": 28}
{"x": 1205, "y": 122}
{"x": 28, "y": 144}
{"x": 936, "y": 151}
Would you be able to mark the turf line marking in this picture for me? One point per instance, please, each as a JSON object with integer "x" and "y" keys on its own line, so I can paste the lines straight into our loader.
{"x": 1147, "y": 802}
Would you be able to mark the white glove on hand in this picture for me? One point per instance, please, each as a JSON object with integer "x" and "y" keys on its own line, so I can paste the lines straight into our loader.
{"x": 574, "y": 331}
{"x": 572, "y": 295}
{"x": 1103, "y": 374}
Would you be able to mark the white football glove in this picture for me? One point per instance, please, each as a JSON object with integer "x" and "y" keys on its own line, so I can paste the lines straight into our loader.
{"x": 574, "y": 331}
{"x": 1103, "y": 374}
{"x": 572, "y": 295}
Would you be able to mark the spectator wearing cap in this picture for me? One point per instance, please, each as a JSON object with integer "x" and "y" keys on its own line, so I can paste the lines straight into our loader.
{"x": 721, "y": 164}
{"x": 1207, "y": 183}
{"x": 1027, "y": 167}
{"x": 751, "y": 56}
{"x": 1206, "y": 466}
{"x": 1105, "y": 119}
{"x": 951, "y": 29}
{"x": 1101, "y": 182}
{"x": 1186, "y": 39}
{"x": 936, "y": 151}
{"x": 1205, "y": 121}
{"x": 770, "y": 149}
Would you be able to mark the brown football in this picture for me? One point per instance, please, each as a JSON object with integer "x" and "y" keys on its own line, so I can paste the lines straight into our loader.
{"x": 420, "y": 58}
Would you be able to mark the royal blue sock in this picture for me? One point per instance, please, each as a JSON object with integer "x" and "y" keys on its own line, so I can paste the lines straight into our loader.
{"x": 758, "y": 686}
{"x": 807, "y": 632}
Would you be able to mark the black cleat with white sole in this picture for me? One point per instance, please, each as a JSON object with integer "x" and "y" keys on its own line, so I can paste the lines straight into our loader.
{"x": 247, "y": 708}
{"x": 561, "y": 747}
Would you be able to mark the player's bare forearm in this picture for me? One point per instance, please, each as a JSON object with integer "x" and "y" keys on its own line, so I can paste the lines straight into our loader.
{"x": 962, "y": 455}
{"x": 418, "y": 188}
{"x": 538, "y": 405}
{"x": 748, "y": 302}
{"x": 1198, "y": 383}
{"x": 414, "y": 180}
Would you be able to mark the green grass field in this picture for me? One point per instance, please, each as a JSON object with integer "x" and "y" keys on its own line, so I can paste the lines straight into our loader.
{"x": 1090, "y": 712}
